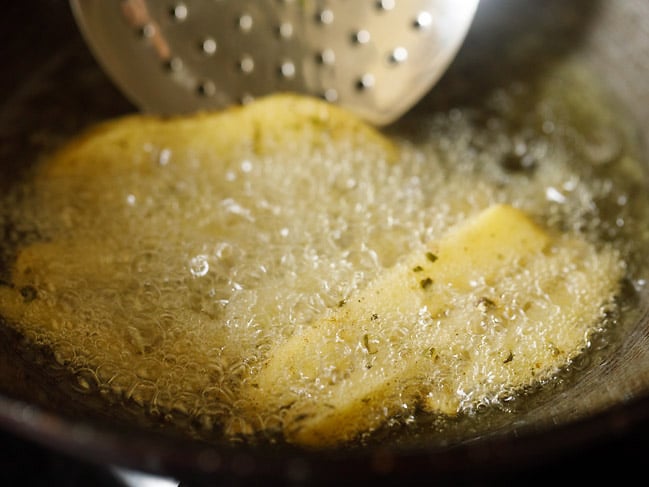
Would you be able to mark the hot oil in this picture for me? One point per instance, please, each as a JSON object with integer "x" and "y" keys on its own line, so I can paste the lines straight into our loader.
{"x": 172, "y": 289}
{"x": 564, "y": 149}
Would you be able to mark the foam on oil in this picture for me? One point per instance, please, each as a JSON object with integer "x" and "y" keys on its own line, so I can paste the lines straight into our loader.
{"x": 166, "y": 291}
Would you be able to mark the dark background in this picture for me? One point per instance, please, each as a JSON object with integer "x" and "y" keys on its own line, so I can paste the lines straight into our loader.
{"x": 614, "y": 458}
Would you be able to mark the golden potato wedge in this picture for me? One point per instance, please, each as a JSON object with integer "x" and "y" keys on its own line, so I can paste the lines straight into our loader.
{"x": 405, "y": 338}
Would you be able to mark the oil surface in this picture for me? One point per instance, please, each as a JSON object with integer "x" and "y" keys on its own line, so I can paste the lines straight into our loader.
{"x": 199, "y": 268}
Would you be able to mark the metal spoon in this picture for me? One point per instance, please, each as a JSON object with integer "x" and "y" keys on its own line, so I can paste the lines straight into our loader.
{"x": 374, "y": 57}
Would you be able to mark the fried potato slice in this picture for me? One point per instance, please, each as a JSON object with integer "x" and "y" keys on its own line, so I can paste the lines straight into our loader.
{"x": 407, "y": 336}
{"x": 270, "y": 125}
{"x": 109, "y": 290}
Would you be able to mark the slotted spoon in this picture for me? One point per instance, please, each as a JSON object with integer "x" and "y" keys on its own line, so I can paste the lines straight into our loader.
{"x": 374, "y": 57}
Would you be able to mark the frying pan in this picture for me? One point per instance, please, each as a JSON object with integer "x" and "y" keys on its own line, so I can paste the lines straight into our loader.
{"x": 53, "y": 88}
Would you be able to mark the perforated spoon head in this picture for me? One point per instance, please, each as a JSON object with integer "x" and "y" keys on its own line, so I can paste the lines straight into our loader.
{"x": 376, "y": 58}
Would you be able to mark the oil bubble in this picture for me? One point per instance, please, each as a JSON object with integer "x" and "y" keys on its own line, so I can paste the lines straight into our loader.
{"x": 199, "y": 265}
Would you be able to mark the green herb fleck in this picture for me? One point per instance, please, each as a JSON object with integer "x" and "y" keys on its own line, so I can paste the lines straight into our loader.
{"x": 426, "y": 283}
{"x": 486, "y": 302}
{"x": 430, "y": 256}
{"x": 28, "y": 293}
{"x": 432, "y": 352}
{"x": 369, "y": 346}
{"x": 417, "y": 268}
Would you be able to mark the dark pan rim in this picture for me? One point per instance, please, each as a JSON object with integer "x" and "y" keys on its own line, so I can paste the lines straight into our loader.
{"x": 515, "y": 450}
